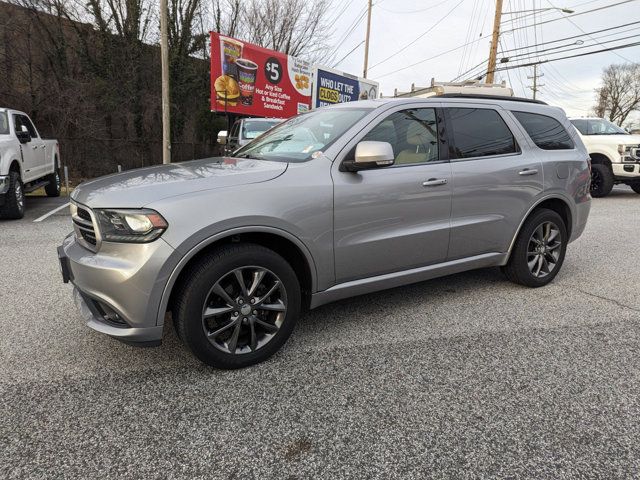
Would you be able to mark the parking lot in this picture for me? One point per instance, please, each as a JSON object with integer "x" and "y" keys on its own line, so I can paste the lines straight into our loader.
{"x": 466, "y": 376}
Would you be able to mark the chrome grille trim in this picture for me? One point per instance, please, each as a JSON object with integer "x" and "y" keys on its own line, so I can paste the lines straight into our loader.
{"x": 85, "y": 227}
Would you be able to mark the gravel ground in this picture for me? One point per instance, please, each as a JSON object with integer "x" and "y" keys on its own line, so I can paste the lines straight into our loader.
{"x": 463, "y": 377}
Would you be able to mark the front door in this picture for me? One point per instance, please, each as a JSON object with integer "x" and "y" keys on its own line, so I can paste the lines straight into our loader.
{"x": 394, "y": 218}
{"x": 32, "y": 151}
{"x": 495, "y": 179}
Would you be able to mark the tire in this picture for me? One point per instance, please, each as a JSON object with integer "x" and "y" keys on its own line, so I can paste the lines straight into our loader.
{"x": 601, "y": 180}
{"x": 204, "y": 290}
{"x": 52, "y": 189}
{"x": 635, "y": 187}
{"x": 518, "y": 269}
{"x": 13, "y": 207}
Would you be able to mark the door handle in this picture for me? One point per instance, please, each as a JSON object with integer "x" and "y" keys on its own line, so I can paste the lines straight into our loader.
{"x": 432, "y": 182}
{"x": 528, "y": 171}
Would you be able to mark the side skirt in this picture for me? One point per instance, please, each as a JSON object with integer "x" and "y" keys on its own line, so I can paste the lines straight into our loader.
{"x": 397, "y": 279}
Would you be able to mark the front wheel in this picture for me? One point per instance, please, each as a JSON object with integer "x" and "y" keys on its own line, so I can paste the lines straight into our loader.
{"x": 539, "y": 251}
{"x": 238, "y": 306}
{"x": 13, "y": 207}
{"x": 635, "y": 187}
{"x": 601, "y": 180}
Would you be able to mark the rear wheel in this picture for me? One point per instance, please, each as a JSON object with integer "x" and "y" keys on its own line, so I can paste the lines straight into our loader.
{"x": 601, "y": 180}
{"x": 539, "y": 251}
{"x": 13, "y": 207}
{"x": 238, "y": 306}
{"x": 52, "y": 189}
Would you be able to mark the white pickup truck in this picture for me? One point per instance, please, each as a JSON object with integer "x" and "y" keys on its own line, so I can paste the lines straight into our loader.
{"x": 27, "y": 162}
{"x": 615, "y": 154}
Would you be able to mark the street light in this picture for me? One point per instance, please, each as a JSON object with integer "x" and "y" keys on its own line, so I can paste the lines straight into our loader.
{"x": 563, "y": 10}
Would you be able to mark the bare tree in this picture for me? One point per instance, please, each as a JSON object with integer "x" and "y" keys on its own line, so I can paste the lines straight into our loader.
{"x": 227, "y": 16}
{"x": 619, "y": 94}
{"x": 296, "y": 27}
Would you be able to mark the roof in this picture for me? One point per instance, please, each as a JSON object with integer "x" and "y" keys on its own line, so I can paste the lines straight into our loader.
{"x": 267, "y": 119}
{"x": 450, "y": 98}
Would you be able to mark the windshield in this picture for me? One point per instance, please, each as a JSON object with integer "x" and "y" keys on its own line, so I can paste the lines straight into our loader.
{"x": 4, "y": 123}
{"x": 252, "y": 129}
{"x": 597, "y": 126}
{"x": 299, "y": 138}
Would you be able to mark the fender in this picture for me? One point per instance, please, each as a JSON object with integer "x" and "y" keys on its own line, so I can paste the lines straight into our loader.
{"x": 184, "y": 259}
{"x": 601, "y": 152}
{"x": 526, "y": 215}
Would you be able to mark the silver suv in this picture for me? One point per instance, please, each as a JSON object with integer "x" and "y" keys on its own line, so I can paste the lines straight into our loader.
{"x": 337, "y": 202}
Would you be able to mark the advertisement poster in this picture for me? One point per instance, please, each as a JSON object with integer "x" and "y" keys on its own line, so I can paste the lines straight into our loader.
{"x": 331, "y": 86}
{"x": 250, "y": 80}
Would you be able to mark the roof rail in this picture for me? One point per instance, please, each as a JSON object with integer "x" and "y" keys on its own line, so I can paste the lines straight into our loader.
{"x": 490, "y": 97}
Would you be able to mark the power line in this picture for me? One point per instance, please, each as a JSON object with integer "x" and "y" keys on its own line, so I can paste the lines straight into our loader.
{"x": 529, "y": 55}
{"x": 572, "y": 16}
{"x": 415, "y": 11}
{"x": 350, "y": 52}
{"x": 420, "y": 36}
{"x": 580, "y": 28}
{"x": 578, "y": 36}
{"x": 530, "y": 64}
{"x": 548, "y": 14}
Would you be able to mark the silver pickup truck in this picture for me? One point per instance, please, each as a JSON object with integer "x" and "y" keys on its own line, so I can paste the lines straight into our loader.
{"x": 27, "y": 162}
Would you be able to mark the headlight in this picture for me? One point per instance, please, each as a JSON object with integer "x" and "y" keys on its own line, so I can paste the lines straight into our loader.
{"x": 130, "y": 226}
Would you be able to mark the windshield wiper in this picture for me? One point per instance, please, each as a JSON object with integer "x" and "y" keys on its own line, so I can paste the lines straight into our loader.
{"x": 255, "y": 156}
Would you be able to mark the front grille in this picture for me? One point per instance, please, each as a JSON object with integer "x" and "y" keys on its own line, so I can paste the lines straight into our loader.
{"x": 83, "y": 222}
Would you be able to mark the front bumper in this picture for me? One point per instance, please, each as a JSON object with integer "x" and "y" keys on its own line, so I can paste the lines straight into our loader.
{"x": 626, "y": 170}
{"x": 4, "y": 184}
{"x": 116, "y": 288}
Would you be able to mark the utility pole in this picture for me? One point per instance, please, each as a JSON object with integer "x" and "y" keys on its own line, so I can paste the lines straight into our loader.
{"x": 366, "y": 41}
{"x": 536, "y": 86}
{"x": 166, "y": 111}
{"x": 493, "y": 52}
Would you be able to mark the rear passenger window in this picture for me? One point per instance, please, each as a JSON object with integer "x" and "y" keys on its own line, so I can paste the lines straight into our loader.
{"x": 546, "y": 132}
{"x": 479, "y": 132}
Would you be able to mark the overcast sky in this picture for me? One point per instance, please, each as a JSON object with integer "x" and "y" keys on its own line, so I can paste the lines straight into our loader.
{"x": 567, "y": 83}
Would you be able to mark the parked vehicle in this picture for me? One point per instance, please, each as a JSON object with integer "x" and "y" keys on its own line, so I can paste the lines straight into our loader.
{"x": 337, "y": 202}
{"x": 244, "y": 131}
{"x": 615, "y": 154}
{"x": 27, "y": 162}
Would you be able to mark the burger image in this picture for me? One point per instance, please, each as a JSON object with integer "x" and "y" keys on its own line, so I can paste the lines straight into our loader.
{"x": 227, "y": 89}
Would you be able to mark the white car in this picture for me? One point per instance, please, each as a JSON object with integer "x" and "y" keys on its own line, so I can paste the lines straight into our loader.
{"x": 27, "y": 162}
{"x": 615, "y": 154}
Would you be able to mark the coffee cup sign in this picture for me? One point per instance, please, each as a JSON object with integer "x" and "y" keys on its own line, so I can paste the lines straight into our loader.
{"x": 250, "y": 80}
{"x": 247, "y": 79}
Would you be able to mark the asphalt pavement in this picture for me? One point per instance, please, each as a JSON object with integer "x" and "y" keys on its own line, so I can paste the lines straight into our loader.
{"x": 468, "y": 376}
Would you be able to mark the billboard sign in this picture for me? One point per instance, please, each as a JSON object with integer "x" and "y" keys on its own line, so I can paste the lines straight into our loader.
{"x": 331, "y": 86}
{"x": 250, "y": 80}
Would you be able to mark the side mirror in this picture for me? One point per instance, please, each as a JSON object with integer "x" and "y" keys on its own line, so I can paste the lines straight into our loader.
{"x": 222, "y": 137}
{"x": 370, "y": 154}
{"x": 23, "y": 135}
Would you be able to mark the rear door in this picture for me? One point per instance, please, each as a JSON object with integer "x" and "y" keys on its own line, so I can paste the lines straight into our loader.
{"x": 496, "y": 178}
{"x": 394, "y": 218}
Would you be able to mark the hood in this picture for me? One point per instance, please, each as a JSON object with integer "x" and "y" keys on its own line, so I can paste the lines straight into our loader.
{"x": 615, "y": 138}
{"x": 139, "y": 187}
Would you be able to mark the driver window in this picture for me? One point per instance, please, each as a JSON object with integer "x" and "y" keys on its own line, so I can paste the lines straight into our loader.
{"x": 235, "y": 130}
{"x": 413, "y": 135}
